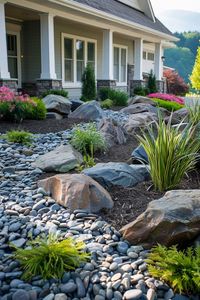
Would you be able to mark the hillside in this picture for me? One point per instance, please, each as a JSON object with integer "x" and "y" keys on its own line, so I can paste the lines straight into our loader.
{"x": 182, "y": 57}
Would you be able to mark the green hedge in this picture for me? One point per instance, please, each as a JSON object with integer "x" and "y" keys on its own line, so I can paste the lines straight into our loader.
{"x": 119, "y": 98}
{"x": 171, "y": 106}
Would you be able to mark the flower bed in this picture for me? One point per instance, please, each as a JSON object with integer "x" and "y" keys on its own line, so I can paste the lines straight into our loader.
{"x": 167, "y": 97}
{"x": 16, "y": 107}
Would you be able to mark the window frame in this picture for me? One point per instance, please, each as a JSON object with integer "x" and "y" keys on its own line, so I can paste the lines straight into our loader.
{"x": 75, "y": 83}
{"x": 120, "y": 83}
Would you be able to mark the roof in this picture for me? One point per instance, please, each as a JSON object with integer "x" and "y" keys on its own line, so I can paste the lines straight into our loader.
{"x": 126, "y": 12}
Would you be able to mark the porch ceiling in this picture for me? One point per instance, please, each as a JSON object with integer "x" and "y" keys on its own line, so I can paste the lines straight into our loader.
{"x": 19, "y": 13}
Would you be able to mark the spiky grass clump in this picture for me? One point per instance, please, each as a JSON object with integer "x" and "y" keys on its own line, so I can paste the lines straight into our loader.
{"x": 194, "y": 112}
{"x": 19, "y": 136}
{"x": 171, "y": 152}
{"x": 180, "y": 269}
{"x": 50, "y": 258}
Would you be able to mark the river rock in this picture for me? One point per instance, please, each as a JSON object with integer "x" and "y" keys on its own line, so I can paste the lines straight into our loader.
{"x": 117, "y": 174}
{"x": 62, "y": 159}
{"x": 77, "y": 191}
{"x": 90, "y": 111}
{"x": 173, "y": 219}
{"x": 58, "y": 104}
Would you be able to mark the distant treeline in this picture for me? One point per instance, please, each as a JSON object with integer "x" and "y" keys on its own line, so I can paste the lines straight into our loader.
{"x": 182, "y": 57}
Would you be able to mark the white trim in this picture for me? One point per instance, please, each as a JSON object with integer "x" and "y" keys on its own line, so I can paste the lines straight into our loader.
{"x": 19, "y": 67}
{"x": 75, "y": 83}
{"x": 4, "y": 73}
{"x": 120, "y": 47}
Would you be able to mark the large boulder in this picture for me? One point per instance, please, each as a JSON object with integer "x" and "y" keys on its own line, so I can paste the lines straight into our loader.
{"x": 75, "y": 103}
{"x": 112, "y": 132}
{"x": 173, "y": 219}
{"x": 58, "y": 104}
{"x": 77, "y": 191}
{"x": 62, "y": 159}
{"x": 117, "y": 174}
{"x": 179, "y": 116}
{"x": 90, "y": 111}
{"x": 137, "y": 121}
{"x": 139, "y": 108}
{"x": 141, "y": 99}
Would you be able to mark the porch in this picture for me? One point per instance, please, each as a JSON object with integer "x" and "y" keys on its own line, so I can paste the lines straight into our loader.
{"x": 45, "y": 47}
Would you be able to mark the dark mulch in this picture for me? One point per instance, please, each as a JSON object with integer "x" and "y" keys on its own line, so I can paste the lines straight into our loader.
{"x": 40, "y": 126}
{"x": 129, "y": 203}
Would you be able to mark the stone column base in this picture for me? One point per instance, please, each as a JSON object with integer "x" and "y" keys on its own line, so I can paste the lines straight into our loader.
{"x": 10, "y": 83}
{"x": 136, "y": 83}
{"x": 160, "y": 84}
{"x": 106, "y": 83}
{"x": 44, "y": 85}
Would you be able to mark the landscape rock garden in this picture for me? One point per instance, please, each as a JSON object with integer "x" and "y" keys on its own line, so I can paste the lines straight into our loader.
{"x": 44, "y": 191}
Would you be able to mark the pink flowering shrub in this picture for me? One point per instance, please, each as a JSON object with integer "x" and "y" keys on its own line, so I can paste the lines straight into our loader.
{"x": 15, "y": 107}
{"x": 167, "y": 97}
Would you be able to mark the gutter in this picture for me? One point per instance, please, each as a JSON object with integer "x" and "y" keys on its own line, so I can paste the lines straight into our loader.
{"x": 87, "y": 9}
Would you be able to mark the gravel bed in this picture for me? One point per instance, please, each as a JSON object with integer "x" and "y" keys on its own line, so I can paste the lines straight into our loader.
{"x": 116, "y": 270}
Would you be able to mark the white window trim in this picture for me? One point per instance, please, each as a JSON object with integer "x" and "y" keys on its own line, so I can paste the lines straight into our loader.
{"x": 147, "y": 52}
{"x": 120, "y": 83}
{"x": 19, "y": 68}
{"x": 76, "y": 84}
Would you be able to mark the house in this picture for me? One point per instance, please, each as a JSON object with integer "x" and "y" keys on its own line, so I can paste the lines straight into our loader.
{"x": 45, "y": 44}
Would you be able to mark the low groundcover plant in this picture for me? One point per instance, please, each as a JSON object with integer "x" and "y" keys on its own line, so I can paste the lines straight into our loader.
{"x": 17, "y": 136}
{"x": 50, "y": 258}
{"x": 180, "y": 269}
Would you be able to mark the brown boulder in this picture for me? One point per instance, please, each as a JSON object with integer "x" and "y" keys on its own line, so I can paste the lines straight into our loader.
{"x": 77, "y": 191}
{"x": 141, "y": 99}
{"x": 139, "y": 120}
{"x": 173, "y": 219}
{"x": 112, "y": 132}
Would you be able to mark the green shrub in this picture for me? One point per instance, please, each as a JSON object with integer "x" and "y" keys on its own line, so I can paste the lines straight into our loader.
{"x": 21, "y": 137}
{"x": 180, "y": 269}
{"x": 169, "y": 105}
{"x": 50, "y": 258}
{"x": 119, "y": 98}
{"x": 62, "y": 93}
{"x": 171, "y": 153}
{"x": 88, "y": 84}
{"x": 141, "y": 91}
{"x": 15, "y": 111}
{"x": 88, "y": 140}
{"x": 151, "y": 83}
{"x": 194, "y": 112}
{"x": 108, "y": 103}
{"x": 38, "y": 111}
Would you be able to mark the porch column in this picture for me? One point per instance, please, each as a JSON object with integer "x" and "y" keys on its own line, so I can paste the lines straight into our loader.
{"x": 4, "y": 73}
{"x": 47, "y": 47}
{"x": 138, "y": 59}
{"x": 107, "y": 62}
{"x": 158, "y": 62}
{"x": 107, "y": 72}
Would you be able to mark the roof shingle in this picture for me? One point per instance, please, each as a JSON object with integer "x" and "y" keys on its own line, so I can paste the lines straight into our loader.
{"x": 126, "y": 12}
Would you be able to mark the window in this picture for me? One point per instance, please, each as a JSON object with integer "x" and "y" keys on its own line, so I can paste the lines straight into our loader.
{"x": 77, "y": 52}
{"x": 144, "y": 55}
{"x": 150, "y": 56}
{"x": 12, "y": 55}
{"x": 120, "y": 64}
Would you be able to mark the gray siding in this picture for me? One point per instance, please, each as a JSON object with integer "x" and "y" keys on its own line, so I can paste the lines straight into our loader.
{"x": 31, "y": 61}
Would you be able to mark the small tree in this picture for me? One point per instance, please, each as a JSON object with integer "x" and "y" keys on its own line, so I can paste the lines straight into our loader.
{"x": 88, "y": 84}
{"x": 175, "y": 83}
{"x": 195, "y": 77}
{"x": 151, "y": 84}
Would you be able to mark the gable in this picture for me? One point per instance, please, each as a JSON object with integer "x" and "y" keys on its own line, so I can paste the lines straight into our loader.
{"x": 141, "y": 5}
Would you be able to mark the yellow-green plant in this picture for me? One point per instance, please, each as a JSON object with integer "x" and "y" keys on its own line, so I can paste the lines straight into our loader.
{"x": 18, "y": 136}
{"x": 180, "y": 269}
{"x": 85, "y": 139}
{"x": 194, "y": 112}
{"x": 171, "y": 152}
{"x": 50, "y": 258}
{"x": 107, "y": 104}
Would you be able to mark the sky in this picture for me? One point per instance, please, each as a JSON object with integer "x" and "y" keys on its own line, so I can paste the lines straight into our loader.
{"x": 178, "y": 15}
{"x": 160, "y": 5}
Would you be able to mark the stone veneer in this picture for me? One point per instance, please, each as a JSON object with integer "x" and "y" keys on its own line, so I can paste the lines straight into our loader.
{"x": 43, "y": 85}
{"x": 136, "y": 83}
{"x": 10, "y": 83}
